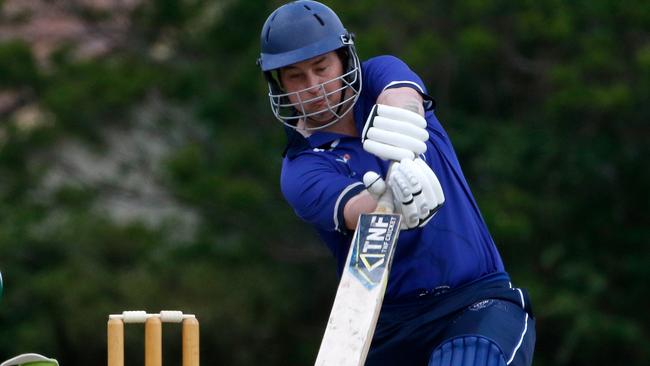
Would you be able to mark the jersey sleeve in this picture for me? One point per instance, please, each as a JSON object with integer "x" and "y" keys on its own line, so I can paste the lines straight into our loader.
{"x": 384, "y": 72}
{"x": 317, "y": 191}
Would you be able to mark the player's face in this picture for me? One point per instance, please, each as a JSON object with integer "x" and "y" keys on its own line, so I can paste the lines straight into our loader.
{"x": 315, "y": 85}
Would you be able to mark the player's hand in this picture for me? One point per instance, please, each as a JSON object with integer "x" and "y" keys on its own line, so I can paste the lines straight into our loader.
{"x": 417, "y": 193}
{"x": 393, "y": 133}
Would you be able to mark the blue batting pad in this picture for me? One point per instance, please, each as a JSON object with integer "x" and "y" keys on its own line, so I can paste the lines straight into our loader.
{"x": 468, "y": 351}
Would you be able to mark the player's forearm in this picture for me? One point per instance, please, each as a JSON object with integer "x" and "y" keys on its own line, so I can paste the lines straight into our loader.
{"x": 361, "y": 203}
{"x": 407, "y": 98}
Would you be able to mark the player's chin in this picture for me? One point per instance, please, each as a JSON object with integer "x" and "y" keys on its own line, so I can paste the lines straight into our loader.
{"x": 321, "y": 118}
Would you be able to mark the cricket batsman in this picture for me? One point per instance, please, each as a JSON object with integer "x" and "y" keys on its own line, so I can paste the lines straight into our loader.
{"x": 357, "y": 128}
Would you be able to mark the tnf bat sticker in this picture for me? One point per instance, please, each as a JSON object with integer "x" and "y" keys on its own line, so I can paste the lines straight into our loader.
{"x": 372, "y": 248}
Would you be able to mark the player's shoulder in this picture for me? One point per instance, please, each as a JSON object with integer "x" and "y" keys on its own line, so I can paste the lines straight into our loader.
{"x": 306, "y": 157}
{"x": 311, "y": 159}
{"x": 300, "y": 167}
{"x": 311, "y": 170}
{"x": 386, "y": 68}
{"x": 382, "y": 60}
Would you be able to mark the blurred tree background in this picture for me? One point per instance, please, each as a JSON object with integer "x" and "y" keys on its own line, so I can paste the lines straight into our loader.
{"x": 139, "y": 169}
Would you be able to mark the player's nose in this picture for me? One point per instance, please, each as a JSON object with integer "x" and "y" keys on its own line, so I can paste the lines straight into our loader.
{"x": 313, "y": 83}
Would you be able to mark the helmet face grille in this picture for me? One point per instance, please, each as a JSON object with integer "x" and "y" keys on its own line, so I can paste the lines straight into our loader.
{"x": 289, "y": 113}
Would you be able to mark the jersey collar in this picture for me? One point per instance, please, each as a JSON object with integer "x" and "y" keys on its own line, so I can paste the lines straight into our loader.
{"x": 297, "y": 143}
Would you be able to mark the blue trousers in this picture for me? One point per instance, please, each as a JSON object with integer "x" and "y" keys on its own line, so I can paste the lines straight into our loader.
{"x": 489, "y": 308}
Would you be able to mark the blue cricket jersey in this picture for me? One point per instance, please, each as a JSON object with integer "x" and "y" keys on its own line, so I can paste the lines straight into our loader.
{"x": 321, "y": 173}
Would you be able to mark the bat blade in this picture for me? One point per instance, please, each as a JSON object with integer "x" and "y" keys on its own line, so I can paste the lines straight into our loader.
{"x": 361, "y": 291}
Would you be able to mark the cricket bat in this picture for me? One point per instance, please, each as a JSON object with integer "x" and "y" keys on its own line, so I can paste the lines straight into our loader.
{"x": 361, "y": 291}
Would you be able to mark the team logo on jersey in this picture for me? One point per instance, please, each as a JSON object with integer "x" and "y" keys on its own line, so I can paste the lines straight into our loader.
{"x": 373, "y": 247}
{"x": 344, "y": 159}
{"x": 481, "y": 305}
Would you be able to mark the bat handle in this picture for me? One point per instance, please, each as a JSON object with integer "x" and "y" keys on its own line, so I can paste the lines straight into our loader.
{"x": 385, "y": 202}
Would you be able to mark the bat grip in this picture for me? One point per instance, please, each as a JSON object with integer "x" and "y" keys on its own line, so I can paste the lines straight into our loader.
{"x": 385, "y": 202}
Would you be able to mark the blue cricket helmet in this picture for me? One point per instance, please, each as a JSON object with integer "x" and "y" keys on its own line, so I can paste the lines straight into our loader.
{"x": 299, "y": 31}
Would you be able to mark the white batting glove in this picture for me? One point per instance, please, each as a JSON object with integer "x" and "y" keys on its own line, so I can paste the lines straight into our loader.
{"x": 393, "y": 133}
{"x": 375, "y": 184}
{"x": 416, "y": 190}
{"x": 417, "y": 193}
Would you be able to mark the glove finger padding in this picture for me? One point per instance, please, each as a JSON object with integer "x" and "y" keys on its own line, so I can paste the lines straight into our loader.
{"x": 387, "y": 152}
{"x": 417, "y": 192}
{"x": 434, "y": 185}
{"x": 425, "y": 199}
{"x": 401, "y": 114}
{"x": 433, "y": 181}
{"x": 395, "y": 125}
{"x": 398, "y": 139}
{"x": 393, "y": 133}
{"x": 374, "y": 184}
{"x": 403, "y": 186}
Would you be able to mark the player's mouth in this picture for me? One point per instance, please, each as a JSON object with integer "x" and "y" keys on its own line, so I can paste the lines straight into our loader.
{"x": 318, "y": 104}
